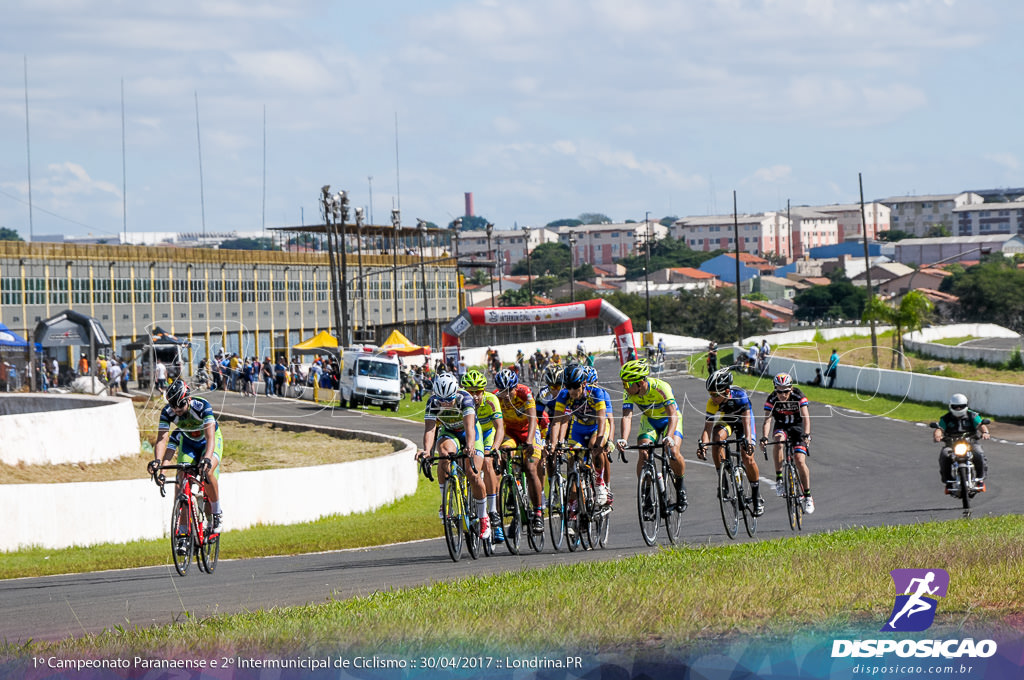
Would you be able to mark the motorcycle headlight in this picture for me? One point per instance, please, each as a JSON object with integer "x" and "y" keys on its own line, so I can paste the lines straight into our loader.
{"x": 960, "y": 449}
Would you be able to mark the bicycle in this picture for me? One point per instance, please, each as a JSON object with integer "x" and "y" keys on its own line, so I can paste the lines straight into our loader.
{"x": 556, "y": 497}
{"x": 792, "y": 486}
{"x": 734, "y": 493}
{"x": 586, "y": 523}
{"x": 461, "y": 524}
{"x": 191, "y": 511}
{"x": 656, "y": 494}
{"x": 514, "y": 504}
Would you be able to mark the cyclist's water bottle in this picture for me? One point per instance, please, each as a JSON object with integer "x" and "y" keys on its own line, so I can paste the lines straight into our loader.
{"x": 661, "y": 482}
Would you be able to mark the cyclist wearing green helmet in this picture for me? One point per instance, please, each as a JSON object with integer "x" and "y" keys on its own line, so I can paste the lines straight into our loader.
{"x": 660, "y": 422}
{"x": 492, "y": 428}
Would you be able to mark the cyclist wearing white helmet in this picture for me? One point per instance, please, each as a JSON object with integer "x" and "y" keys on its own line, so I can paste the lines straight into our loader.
{"x": 960, "y": 420}
{"x": 786, "y": 417}
{"x": 198, "y": 438}
{"x": 450, "y": 421}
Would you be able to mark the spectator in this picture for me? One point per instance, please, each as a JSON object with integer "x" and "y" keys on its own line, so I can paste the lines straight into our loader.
{"x": 113, "y": 377}
{"x": 55, "y": 373}
{"x": 83, "y": 365}
{"x": 280, "y": 375}
{"x": 124, "y": 375}
{"x": 462, "y": 364}
{"x": 832, "y": 368}
{"x": 712, "y": 357}
{"x": 159, "y": 376}
{"x": 816, "y": 382}
{"x": 267, "y": 374}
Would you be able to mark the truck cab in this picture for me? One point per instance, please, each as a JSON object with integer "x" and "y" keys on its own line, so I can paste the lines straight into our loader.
{"x": 370, "y": 376}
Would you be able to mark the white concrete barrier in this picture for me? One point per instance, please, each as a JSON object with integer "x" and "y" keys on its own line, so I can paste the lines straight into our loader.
{"x": 90, "y": 513}
{"x": 45, "y": 429}
{"x": 920, "y": 342}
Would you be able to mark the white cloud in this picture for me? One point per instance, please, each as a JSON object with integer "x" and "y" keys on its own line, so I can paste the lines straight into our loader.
{"x": 776, "y": 173}
{"x": 1004, "y": 159}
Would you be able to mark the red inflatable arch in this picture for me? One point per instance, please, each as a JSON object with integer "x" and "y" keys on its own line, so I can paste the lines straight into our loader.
{"x": 508, "y": 316}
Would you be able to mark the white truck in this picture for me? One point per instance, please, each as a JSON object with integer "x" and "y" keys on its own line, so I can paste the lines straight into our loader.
{"x": 370, "y": 376}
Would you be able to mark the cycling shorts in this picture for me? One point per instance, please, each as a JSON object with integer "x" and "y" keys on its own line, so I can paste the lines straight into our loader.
{"x": 460, "y": 439}
{"x": 794, "y": 433}
{"x": 581, "y": 434}
{"x": 190, "y": 450}
{"x": 489, "y": 438}
{"x": 534, "y": 447}
{"x": 653, "y": 429}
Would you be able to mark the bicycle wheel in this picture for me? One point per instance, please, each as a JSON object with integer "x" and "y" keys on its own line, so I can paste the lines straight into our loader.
{"x": 604, "y": 523}
{"x": 647, "y": 505}
{"x": 180, "y": 519}
{"x": 588, "y": 512}
{"x": 471, "y": 523}
{"x": 728, "y": 500}
{"x": 798, "y": 486}
{"x": 572, "y": 512}
{"x": 536, "y": 540}
{"x": 556, "y": 510}
{"x": 452, "y": 504}
{"x": 791, "y": 498}
{"x": 673, "y": 518}
{"x": 747, "y": 504}
{"x": 511, "y": 514}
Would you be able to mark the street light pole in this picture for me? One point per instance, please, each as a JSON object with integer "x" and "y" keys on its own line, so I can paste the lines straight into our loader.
{"x": 422, "y": 226}
{"x": 501, "y": 269}
{"x": 327, "y": 203}
{"x": 490, "y": 256}
{"x": 572, "y": 274}
{"x": 647, "y": 270}
{"x": 340, "y": 217}
{"x": 396, "y": 222}
{"x": 456, "y": 226}
{"x": 529, "y": 268}
{"x": 362, "y": 281}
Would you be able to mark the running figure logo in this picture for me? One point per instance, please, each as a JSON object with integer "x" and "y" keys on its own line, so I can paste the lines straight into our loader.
{"x": 914, "y": 609}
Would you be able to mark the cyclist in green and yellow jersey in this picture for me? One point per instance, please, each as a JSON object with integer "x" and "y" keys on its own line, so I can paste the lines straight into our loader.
{"x": 660, "y": 421}
{"x": 492, "y": 427}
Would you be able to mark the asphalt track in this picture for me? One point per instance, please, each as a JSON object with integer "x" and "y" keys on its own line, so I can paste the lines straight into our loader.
{"x": 865, "y": 471}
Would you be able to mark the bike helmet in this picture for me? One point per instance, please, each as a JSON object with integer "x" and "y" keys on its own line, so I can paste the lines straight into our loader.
{"x": 719, "y": 381}
{"x": 445, "y": 386}
{"x": 474, "y": 380}
{"x": 506, "y": 379}
{"x": 574, "y": 377}
{"x": 178, "y": 394}
{"x": 553, "y": 376}
{"x": 634, "y": 371}
{"x": 782, "y": 381}
{"x": 958, "y": 404}
{"x": 591, "y": 375}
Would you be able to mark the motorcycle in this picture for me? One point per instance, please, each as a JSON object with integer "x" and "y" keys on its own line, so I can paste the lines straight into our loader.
{"x": 965, "y": 485}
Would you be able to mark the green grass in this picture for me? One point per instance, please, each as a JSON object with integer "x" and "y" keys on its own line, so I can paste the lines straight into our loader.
{"x": 407, "y": 519}
{"x": 656, "y": 600}
{"x": 953, "y": 341}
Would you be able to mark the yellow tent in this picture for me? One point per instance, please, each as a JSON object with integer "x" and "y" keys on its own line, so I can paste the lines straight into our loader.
{"x": 400, "y": 345}
{"x": 321, "y": 342}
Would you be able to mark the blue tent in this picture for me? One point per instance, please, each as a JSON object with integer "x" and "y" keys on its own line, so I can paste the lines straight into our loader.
{"x": 10, "y": 339}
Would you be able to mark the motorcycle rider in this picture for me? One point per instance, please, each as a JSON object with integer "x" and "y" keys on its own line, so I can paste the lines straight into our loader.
{"x": 959, "y": 421}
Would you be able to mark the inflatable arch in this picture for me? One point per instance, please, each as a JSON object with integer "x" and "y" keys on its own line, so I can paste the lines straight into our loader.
{"x": 573, "y": 311}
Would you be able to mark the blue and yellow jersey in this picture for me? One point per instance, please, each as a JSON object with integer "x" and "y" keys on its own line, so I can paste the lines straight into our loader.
{"x": 732, "y": 410}
{"x": 450, "y": 415}
{"x": 193, "y": 422}
{"x": 588, "y": 410}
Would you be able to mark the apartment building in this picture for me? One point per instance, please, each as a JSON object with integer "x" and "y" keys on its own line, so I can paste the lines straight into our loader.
{"x": 603, "y": 244}
{"x": 812, "y": 229}
{"x": 759, "y": 234}
{"x": 850, "y": 224}
{"x": 989, "y": 218}
{"x": 918, "y": 215}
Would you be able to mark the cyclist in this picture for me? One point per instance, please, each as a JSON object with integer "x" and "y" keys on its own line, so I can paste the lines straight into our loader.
{"x": 728, "y": 409}
{"x": 449, "y": 420}
{"x": 959, "y": 420}
{"x": 590, "y": 379}
{"x": 546, "y": 398}
{"x": 492, "y": 427}
{"x": 581, "y": 418}
{"x": 786, "y": 417}
{"x": 198, "y": 439}
{"x": 519, "y": 411}
{"x": 659, "y": 422}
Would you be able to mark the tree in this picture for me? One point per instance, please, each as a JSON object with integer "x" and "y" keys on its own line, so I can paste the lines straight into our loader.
{"x": 909, "y": 316}
{"x": 992, "y": 292}
{"x": 471, "y": 223}
{"x": 665, "y": 252}
{"x": 840, "y": 299}
{"x": 894, "y": 235}
{"x": 668, "y": 220}
{"x": 594, "y": 218}
{"x": 568, "y": 222}
{"x": 938, "y": 230}
{"x": 9, "y": 235}
{"x": 546, "y": 259}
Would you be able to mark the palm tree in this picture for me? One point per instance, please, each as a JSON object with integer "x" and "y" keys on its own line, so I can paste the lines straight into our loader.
{"x": 910, "y": 315}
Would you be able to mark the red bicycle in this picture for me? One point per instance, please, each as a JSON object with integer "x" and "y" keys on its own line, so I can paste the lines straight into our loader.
{"x": 190, "y": 519}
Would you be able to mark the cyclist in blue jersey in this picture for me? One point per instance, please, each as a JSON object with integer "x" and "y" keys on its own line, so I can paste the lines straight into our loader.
{"x": 198, "y": 439}
{"x": 728, "y": 410}
{"x": 581, "y": 418}
{"x": 450, "y": 422}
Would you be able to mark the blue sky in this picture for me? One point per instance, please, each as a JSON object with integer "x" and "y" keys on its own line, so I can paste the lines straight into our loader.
{"x": 543, "y": 109}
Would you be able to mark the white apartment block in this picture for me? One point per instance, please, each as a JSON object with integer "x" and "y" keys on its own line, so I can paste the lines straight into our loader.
{"x": 507, "y": 246}
{"x": 603, "y": 244}
{"x": 849, "y": 218}
{"x": 812, "y": 229}
{"x": 759, "y": 234}
{"x": 917, "y": 215}
{"x": 989, "y": 218}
